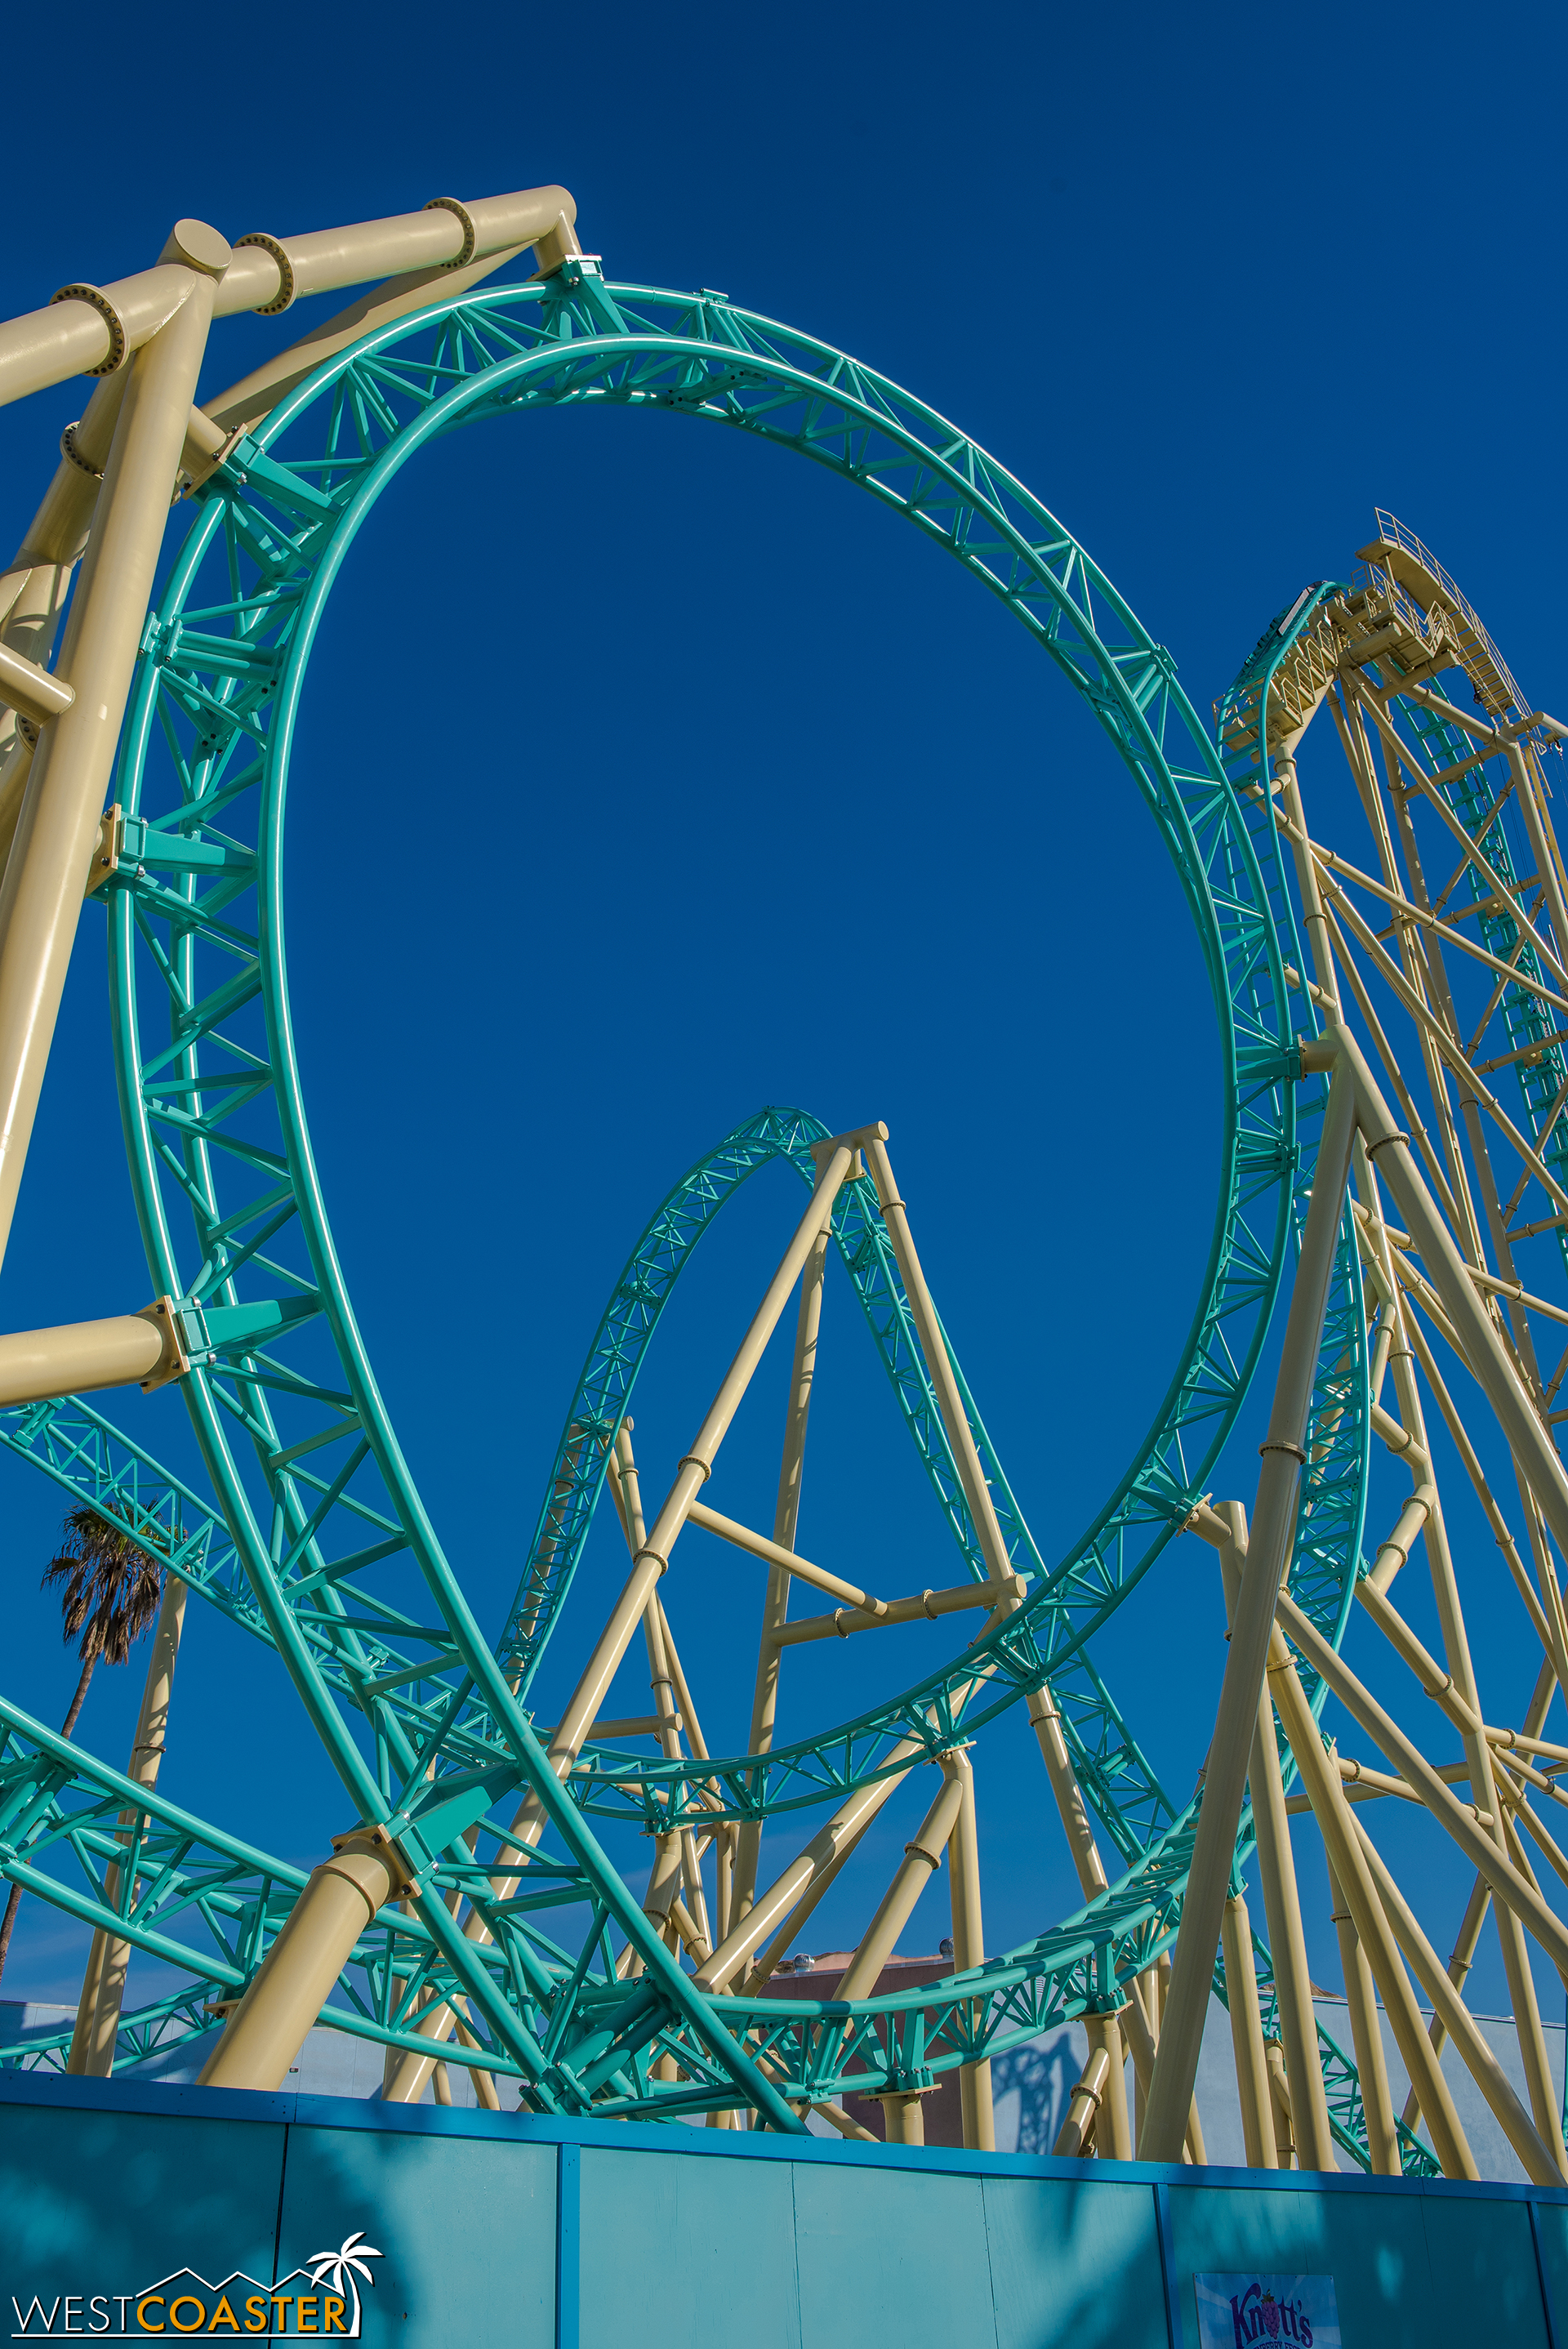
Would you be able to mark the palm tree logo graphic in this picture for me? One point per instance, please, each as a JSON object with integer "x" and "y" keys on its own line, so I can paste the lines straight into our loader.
{"x": 339, "y": 2271}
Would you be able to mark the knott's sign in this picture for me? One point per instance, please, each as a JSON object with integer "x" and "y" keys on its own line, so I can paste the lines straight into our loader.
{"x": 1259, "y": 2312}
{"x": 322, "y": 2297}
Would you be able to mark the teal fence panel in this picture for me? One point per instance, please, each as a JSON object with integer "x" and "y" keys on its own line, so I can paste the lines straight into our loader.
{"x": 126, "y": 2209}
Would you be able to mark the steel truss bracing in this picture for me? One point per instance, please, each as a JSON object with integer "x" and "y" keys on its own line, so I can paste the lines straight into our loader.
{"x": 484, "y": 1926}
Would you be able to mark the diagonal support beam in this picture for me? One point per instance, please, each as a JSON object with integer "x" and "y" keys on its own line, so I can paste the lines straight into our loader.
{"x": 1274, "y": 1528}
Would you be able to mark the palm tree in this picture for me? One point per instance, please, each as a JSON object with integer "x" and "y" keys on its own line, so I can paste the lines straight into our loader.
{"x": 113, "y": 1588}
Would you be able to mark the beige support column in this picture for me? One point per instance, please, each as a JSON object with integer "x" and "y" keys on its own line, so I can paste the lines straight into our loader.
{"x": 1139, "y": 2033}
{"x": 954, "y": 1417}
{"x": 1461, "y": 1676}
{"x": 1209, "y": 1877}
{"x": 1537, "y": 2154}
{"x": 1142, "y": 2042}
{"x": 798, "y": 1916}
{"x": 1376, "y": 2104}
{"x": 103, "y": 1984}
{"x": 627, "y": 1489}
{"x": 1319, "y": 945}
{"x": 922, "y": 1859}
{"x": 1280, "y": 2096}
{"x": 786, "y": 1518}
{"x": 1247, "y": 2037}
{"x": 82, "y": 1357}
{"x": 1113, "y": 2136}
{"x": 790, "y": 1893}
{"x": 902, "y": 2117}
{"x": 977, "y": 1492}
{"x": 1076, "y": 2130}
{"x": 1543, "y": 2100}
{"x": 653, "y": 1558}
{"x": 969, "y": 1946}
{"x": 41, "y": 896}
{"x": 267, "y": 2029}
{"x": 1310, "y": 2135}
{"x": 1320, "y": 1779}
{"x": 1483, "y": 1348}
{"x": 1458, "y": 1967}
{"x": 1458, "y": 1819}
{"x": 1045, "y": 1722}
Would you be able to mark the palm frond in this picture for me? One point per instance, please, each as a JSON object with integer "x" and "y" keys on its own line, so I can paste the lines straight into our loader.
{"x": 112, "y": 1586}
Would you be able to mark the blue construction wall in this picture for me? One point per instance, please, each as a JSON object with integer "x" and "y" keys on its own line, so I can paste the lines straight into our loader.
{"x": 494, "y": 2229}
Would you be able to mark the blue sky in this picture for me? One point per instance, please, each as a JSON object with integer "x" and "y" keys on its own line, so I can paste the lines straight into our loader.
{"x": 647, "y": 776}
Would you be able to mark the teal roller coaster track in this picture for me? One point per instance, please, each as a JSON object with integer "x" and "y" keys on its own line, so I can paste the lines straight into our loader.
{"x": 313, "y": 1536}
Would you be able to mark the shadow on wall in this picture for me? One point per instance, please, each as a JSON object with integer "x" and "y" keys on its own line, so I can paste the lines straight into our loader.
{"x": 1031, "y": 2088}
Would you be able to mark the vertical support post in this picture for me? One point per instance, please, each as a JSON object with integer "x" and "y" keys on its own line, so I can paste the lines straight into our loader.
{"x": 103, "y": 1984}
{"x": 1319, "y": 945}
{"x": 1457, "y": 1656}
{"x": 41, "y": 895}
{"x": 1308, "y": 2135}
{"x": 1083, "y": 2107}
{"x": 786, "y": 1519}
{"x": 1141, "y": 2041}
{"x": 969, "y": 1946}
{"x": 1113, "y": 2133}
{"x": 1320, "y": 1778}
{"x": 1280, "y": 2098}
{"x": 902, "y": 2117}
{"x": 1458, "y": 1966}
{"x": 1483, "y": 1349}
{"x": 1376, "y": 2104}
{"x": 1208, "y": 1882}
{"x": 1247, "y": 2036}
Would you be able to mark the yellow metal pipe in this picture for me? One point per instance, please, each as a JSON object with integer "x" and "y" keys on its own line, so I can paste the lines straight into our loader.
{"x": 1083, "y": 2106}
{"x": 1113, "y": 2135}
{"x": 1311, "y": 2137}
{"x": 88, "y": 329}
{"x": 80, "y": 1357}
{"x": 922, "y": 1857}
{"x": 1376, "y": 2104}
{"x": 1281, "y": 2101}
{"x": 922, "y": 1606}
{"x": 969, "y": 1946}
{"x": 1539, "y": 2163}
{"x": 903, "y": 2117}
{"x": 33, "y": 691}
{"x": 1456, "y": 1817}
{"x": 1045, "y": 1722}
{"x": 775, "y": 1554}
{"x": 696, "y": 1466}
{"x": 786, "y": 1519}
{"x": 267, "y": 2029}
{"x": 41, "y": 896}
{"x": 939, "y": 1368}
{"x": 1247, "y": 2037}
{"x": 1279, "y": 1482}
{"x": 1336, "y": 1824}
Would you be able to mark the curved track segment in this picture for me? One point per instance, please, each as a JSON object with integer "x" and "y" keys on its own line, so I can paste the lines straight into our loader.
{"x": 329, "y": 1553}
